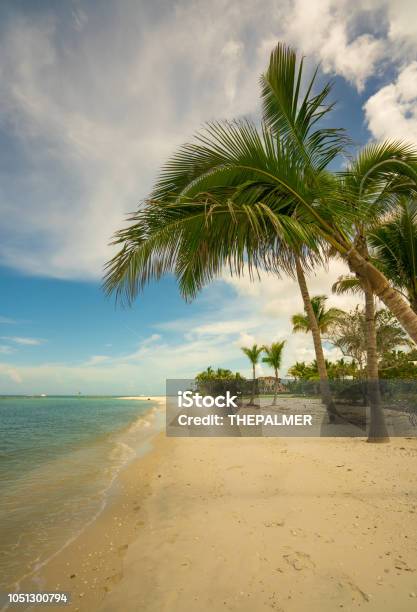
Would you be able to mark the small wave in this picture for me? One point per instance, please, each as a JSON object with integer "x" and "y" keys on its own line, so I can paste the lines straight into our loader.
{"x": 145, "y": 421}
{"x": 122, "y": 453}
{"x": 127, "y": 444}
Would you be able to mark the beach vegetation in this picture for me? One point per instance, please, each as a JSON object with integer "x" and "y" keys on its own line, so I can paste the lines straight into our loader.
{"x": 253, "y": 353}
{"x": 273, "y": 358}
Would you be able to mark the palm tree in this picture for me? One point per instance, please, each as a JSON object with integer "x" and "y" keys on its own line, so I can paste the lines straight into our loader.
{"x": 243, "y": 197}
{"x": 394, "y": 246}
{"x": 393, "y": 250}
{"x": 299, "y": 370}
{"x": 325, "y": 318}
{"x": 231, "y": 197}
{"x": 368, "y": 194}
{"x": 314, "y": 327}
{"x": 322, "y": 319}
{"x": 378, "y": 431}
{"x": 273, "y": 358}
{"x": 344, "y": 368}
{"x": 253, "y": 353}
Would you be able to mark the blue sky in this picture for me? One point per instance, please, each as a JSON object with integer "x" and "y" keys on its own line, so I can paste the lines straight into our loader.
{"x": 93, "y": 98}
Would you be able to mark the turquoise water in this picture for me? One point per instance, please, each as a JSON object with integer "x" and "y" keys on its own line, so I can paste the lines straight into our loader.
{"x": 58, "y": 458}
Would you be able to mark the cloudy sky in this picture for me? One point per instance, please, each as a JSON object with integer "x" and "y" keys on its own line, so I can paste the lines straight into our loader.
{"x": 93, "y": 98}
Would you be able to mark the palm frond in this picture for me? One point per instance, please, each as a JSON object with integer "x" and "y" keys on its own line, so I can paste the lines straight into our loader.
{"x": 394, "y": 246}
{"x": 347, "y": 284}
{"x": 253, "y": 353}
{"x": 292, "y": 117}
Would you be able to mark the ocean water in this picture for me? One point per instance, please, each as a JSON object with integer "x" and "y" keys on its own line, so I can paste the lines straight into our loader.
{"x": 58, "y": 459}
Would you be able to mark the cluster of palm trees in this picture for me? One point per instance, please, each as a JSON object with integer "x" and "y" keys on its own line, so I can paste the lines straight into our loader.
{"x": 247, "y": 198}
{"x": 325, "y": 318}
{"x": 272, "y": 357}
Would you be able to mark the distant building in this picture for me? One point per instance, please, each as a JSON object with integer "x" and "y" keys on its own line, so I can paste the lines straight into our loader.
{"x": 266, "y": 384}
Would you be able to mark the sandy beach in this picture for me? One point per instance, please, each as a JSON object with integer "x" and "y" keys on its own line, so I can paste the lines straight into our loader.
{"x": 251, "y": 524}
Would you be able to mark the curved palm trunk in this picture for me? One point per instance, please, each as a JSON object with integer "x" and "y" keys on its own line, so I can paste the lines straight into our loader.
{"x": 381, "y": 287}
{"x": 378, "y": 430}
{"x": 321, "y": 364}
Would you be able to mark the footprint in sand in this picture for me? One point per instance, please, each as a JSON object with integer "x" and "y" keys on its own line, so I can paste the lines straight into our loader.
{"x": 112, "y": 581}
{"x": 280, "y": 523}
{"x": 354, "y": 590}
{"x": 299, "y": 560}
{"x": 400, "y": 564}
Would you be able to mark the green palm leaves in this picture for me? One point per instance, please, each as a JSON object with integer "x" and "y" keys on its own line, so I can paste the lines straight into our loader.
{"x": 273, "y": 355}
{"x": 394, "y": 245}
{"x": 293, "y": 118}
{"x": 238, "y": 196}
{"x": 253, "y": 353}
{"x": 273, "y": 358}
{"x": 325, "y": 318}
{"x": 235, "y": 196}
{"x": 393, "y": 249}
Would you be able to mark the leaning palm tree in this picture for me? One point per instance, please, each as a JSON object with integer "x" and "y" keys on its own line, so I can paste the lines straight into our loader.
{"x": 253, "y": 353}
{"x": 249, "y": 199}
{"x": 368, "y": 195}
{"x": 273, "y": 358}
{"x": 233, "y": 198}
{"x": 325, "y": 318}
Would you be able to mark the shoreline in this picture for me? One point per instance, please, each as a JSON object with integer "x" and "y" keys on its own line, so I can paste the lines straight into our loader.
{"x": 287, "y": 524}
{"x": 42, "y": 573}
{"x": 159, "y": 399}
{"x": 89, "y": 564}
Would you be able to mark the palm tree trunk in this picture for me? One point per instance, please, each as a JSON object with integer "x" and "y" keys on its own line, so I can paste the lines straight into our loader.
{"x": 252, "y": 397}
{"x": 381, "y": 287}
{"x": 378, "y": 430}
{"x": 321, "y": 364}
{"x": 274, "y": 403}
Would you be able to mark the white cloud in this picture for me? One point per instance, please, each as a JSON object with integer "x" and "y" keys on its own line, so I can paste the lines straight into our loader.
{"x": 323, "y": 29}
{"x": 224, "y": 328}
{"x": 392, "y": 111}
{"x": 7, "y": 320}
{"x": 402, "y": 24}
{"x": 24, "y": 341}
{"x": 97, "y": 151}
{"x": 4, "y": 349}
{"x": 94, "y": 106}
